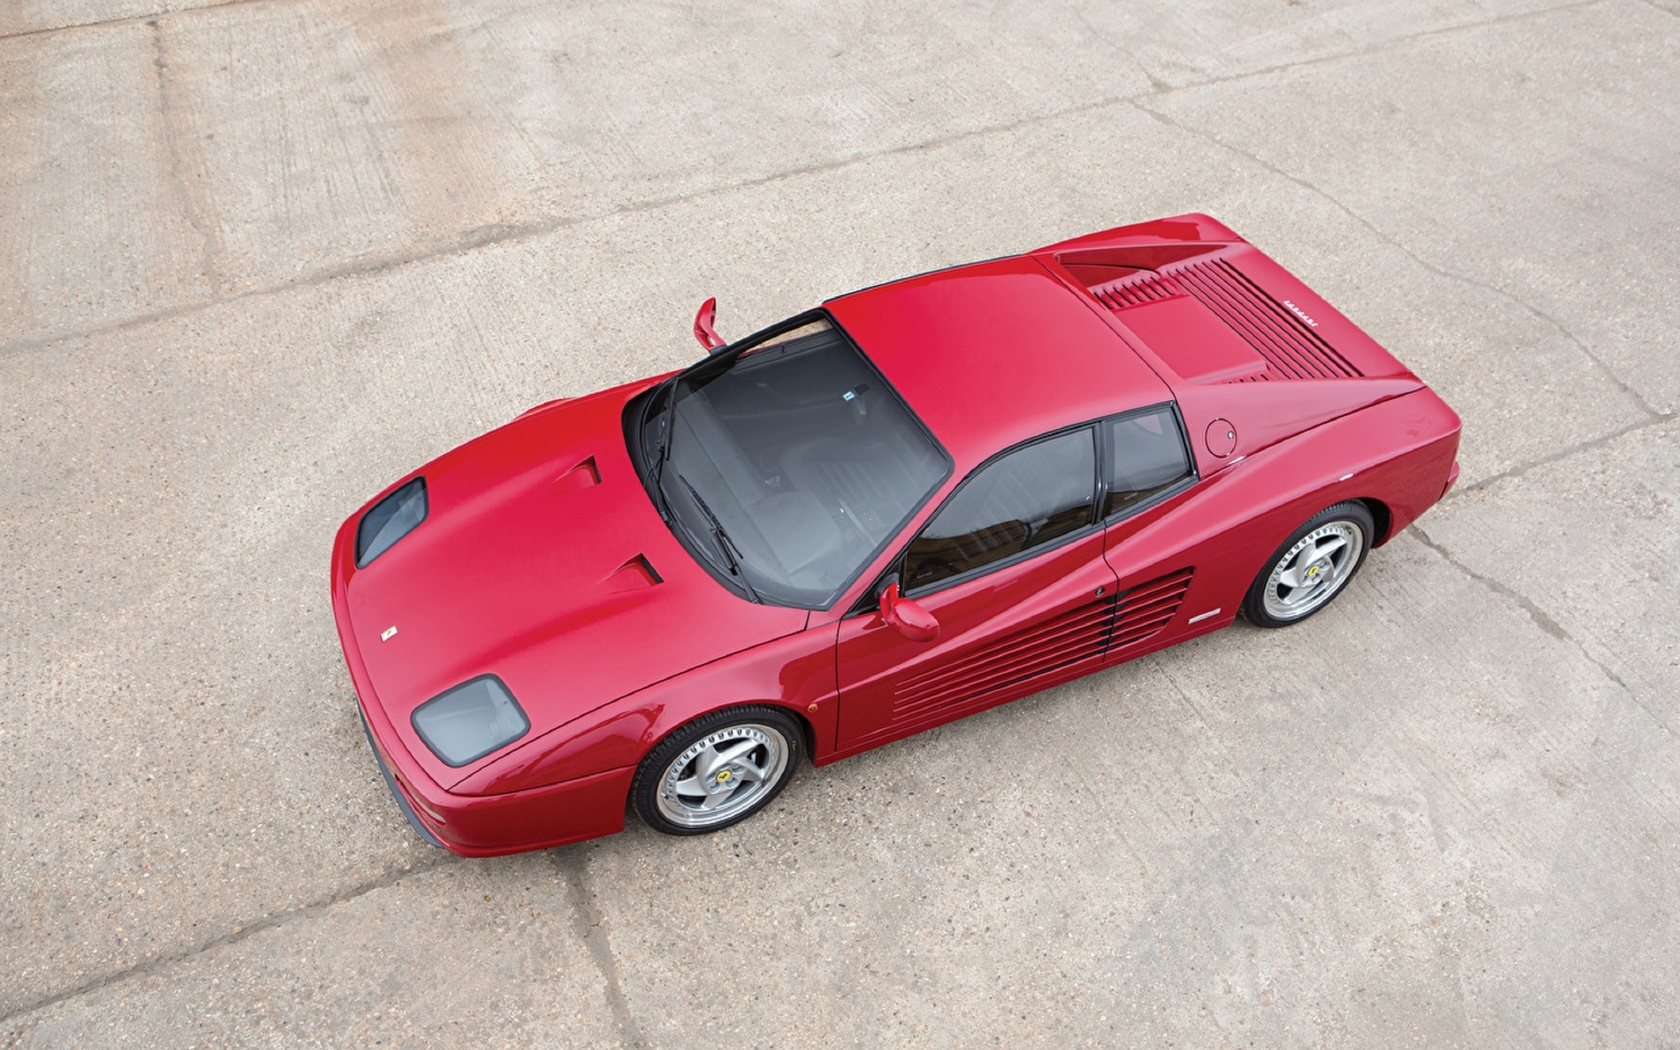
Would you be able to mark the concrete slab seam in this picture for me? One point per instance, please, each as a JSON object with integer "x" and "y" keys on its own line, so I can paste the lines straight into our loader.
{"x": 485, "y": 236}
{"x": 1161, "y": 87}
{"x": 1543, "y": 620}
{"x": 118, "y": 23}
{"x": 1157, "y": 85}
{"x": 215, "y": 5}
{"x": 1609, "y": 373}
{"x": 588, "y": 920}
{"x": 273, "y": 920}
{"x": 588, "y": 923}
{"x": 177, "y": 176}
{"x": 1567, "y": 452}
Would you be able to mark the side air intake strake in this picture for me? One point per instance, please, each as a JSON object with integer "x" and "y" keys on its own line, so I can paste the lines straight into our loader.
{"x": 1078, "y": 634}
{"x": 1149, "y": 607}
{"x": 1290, "y": 348}
{"x": 1083, "y": 633}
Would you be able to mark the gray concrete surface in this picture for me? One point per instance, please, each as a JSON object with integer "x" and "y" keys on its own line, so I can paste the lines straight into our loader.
{"x": 259, "y": 258}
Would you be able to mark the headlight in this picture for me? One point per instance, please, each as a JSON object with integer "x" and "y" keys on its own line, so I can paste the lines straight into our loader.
{"x": 390, "y": 520}
{"x": 471, "y": 720}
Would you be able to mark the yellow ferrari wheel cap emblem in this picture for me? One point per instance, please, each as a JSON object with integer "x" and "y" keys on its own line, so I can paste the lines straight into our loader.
{"x": 723, "y": 777}
{"x": 1312, "y": 572}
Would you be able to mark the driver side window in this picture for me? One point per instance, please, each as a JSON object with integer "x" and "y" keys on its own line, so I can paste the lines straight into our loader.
{"x": 1026, "y": 499}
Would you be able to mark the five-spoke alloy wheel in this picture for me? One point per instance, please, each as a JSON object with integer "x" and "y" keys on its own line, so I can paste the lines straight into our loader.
{"x": 1313, "y": 566}
{"x": 717, "y": 770}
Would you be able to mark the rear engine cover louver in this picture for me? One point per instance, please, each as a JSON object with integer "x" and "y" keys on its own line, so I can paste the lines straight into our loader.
{"x": 1292, "y": 350}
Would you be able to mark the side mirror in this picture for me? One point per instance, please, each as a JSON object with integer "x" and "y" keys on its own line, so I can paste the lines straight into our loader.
{"x": 703, "y": 329}
{"x": 906, "y": 617}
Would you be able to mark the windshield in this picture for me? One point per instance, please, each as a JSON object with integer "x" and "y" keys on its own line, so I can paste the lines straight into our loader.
{"x": 787, "y": 465}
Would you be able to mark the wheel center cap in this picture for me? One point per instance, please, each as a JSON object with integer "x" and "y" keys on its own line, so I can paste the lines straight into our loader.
{"x": 724, "y": 776}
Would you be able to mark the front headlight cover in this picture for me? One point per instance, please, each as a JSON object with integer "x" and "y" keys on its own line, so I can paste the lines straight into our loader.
{"x": 390, "y": 520}
{"x": 464, "y": 724}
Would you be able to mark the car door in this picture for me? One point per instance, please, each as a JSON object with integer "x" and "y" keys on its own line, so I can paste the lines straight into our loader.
{"x": 1147, "y": 476}
{"x": 1012, "y": 569}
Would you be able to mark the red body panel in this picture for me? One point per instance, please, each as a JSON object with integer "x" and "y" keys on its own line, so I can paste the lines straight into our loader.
{"x": 543, "y": 561}
{"x": 537, "y": 563}
{"x": 992, "y": 354}
{"x": 480, "y": 826}
{"x": 1000, "y": 635}
{"x": 794, "y": 672}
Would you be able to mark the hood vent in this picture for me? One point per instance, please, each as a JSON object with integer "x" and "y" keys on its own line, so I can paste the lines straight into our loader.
{"x": 583, "y": 476}
{"x": 1292, "y": 349}
{"x": 633, "y": 575}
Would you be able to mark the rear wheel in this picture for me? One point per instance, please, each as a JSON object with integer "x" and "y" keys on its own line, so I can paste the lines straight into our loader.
{"x": 1311, "y": 567}
{"x": 717, "y": 770}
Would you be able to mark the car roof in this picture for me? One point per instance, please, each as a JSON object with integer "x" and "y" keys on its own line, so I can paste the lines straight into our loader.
{"x": 994, "y": 353}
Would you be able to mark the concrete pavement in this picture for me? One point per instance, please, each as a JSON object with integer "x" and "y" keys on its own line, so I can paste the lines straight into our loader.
{"x": 259, "y": 258}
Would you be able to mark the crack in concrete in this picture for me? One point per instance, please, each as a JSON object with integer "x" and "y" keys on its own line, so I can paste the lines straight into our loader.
{"x": 1077, "y": 10}
{"x": 273, "y": 920}
{"x": 1522, "y": 469}
{"x": 132, "y": 20}
{"x": 507, "y": 233}
{"x": 215, "y": 5}
{"x": 513, "y": 233}
{"x": 1604, "y": 369}
{"x": 1376, "y": 47}
{"x": 1542, "y": 620}
{"x": 587, "y": 918}
{"x": 177, "y": 173}
{"x": 588, "y": 923}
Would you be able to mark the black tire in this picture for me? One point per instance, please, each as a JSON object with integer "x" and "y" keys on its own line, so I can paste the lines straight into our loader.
{"x": 1311, "y": 567}
{"x": 679, "y": 790}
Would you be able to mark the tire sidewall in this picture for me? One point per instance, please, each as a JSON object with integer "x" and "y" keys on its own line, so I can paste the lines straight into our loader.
{"x": 1352, "y": 512}
{"x": 644, "y": 789}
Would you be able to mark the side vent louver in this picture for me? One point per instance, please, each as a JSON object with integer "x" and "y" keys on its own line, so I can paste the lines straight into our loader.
{"x": 1149, "y": 607}
{"x": 1016, "y": 658}
{"x": 1084, "y": 633}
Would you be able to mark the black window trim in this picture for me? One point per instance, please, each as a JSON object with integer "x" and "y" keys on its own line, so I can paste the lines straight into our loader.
{"x": 723, "y": 360}
{"x": 870, "y": 599}
{"x": 871, "y": 595}
{"x": 1165, "y": 494}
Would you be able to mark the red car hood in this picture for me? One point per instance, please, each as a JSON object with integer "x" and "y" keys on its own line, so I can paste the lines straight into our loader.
{"x": 543, "y": 561}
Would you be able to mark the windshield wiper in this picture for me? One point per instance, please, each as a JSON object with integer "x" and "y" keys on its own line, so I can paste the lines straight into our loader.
{"x": 667, "y": 416}
{"x": 722, "y": 538}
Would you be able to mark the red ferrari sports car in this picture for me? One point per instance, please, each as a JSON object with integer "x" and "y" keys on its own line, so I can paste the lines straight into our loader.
{"x": 917, "y": 501}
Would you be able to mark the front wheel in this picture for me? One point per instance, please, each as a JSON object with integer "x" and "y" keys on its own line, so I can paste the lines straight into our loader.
{"x": 717, "y": 770}
{"x": 1313, "y": 566}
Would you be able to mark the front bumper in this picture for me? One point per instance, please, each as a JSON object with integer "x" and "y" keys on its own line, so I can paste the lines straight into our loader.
{"x": 492, "y": 825}
{"x": 473, "y": 825}
{"x": 397, "y": 792}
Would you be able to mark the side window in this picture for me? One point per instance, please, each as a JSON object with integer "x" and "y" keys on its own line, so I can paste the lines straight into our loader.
{"x": 1027, "y": 499}
{"x": 1143, "y": 455}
